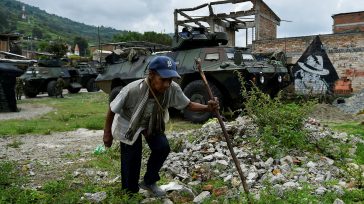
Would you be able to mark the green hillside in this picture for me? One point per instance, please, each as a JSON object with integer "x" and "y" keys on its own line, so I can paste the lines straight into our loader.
{"x": 43, "y": 26}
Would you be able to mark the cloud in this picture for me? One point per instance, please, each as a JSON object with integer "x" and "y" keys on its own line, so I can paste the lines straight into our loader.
{"x": 308, "y": 17}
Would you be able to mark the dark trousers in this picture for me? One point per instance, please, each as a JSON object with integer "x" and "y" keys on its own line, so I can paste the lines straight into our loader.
{"x": 131, "y": 156}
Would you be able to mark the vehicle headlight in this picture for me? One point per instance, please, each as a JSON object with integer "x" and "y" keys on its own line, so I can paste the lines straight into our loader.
{"x": 279, "y": 78}
{"x": 261, "y": 79}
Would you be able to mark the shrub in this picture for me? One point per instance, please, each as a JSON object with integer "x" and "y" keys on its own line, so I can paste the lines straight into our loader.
{"x": 280, "y": 124}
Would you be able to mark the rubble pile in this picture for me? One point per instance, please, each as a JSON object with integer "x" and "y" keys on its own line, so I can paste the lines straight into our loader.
{"x": 353, "y": 104}
{"x": 208, "y": 158}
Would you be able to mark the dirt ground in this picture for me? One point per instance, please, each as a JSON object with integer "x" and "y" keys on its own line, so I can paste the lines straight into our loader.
{"x": 46, "y": 156}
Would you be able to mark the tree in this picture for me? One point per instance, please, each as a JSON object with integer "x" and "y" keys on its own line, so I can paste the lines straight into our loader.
{"x": 4, "y": 22}
{"x": 82, "y": 45}
{"x": 58, "y": 48}
{"x": 152, "y": 36}
{"x": 37, "y": 33}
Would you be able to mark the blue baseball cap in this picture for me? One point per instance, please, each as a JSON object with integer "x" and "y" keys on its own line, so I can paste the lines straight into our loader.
{"x": 164, "y": 66}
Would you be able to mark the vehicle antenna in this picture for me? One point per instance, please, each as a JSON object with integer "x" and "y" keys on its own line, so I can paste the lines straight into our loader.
{"x": 100, "y": 51}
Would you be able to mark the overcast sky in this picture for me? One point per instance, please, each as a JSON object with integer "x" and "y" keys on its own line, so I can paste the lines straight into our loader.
{"x": 306, "y": 17}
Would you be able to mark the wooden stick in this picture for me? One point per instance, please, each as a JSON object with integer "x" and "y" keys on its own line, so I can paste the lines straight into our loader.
{"x": 236, "y": 161}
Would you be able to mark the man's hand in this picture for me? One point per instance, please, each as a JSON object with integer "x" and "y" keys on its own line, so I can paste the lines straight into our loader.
{"x": 107, "y": 139}
{"x": 213, "y": 105}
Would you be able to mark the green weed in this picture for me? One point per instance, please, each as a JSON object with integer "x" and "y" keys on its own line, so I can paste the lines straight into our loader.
{"x": 15, "y": 144}
{"x": 280, "y": 124}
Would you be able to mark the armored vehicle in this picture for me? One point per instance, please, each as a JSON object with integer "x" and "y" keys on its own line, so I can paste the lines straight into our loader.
{"x": 218, "y": 61}
{"x": 43, "y": 77}
{"x": 87, "y": 75}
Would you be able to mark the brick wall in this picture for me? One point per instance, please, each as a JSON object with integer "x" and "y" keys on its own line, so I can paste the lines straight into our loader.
{"x": 267, "y": 24}
{"x": 267, "y": 29}
{"x": 346, "y": 52}
{"x": 348, "y": 22}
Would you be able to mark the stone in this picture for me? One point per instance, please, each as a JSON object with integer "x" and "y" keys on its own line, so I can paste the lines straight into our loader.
{"x": 219, "y": 155}
{"x": 311, "y": 164}
{"x": 276, "y": 171}
{"x": 227, "y": 178}
{"x": 290, "y": 184}
{"x": 208, "y": 158}
{"x": 235, "y": 181}
{"x": 278, "y": 189}
{"x": 252, "y": 176}
{"x": 269, "y": 162}
{"x": 222, "y": 162}
{"x": 338, "y": 201}
{"x": 287, "y": 159}
{"x": 95, "y": 197}
{"x": 167, "y": 201}
{"x": 320, "y": 190}
{"x": 202, "y": 196}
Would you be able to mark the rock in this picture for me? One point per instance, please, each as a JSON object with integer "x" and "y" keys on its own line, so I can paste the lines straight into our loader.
{"x": 202, "y": 196}
{"x": 311, "y": 164}
{"x": 222, "y": 162}
{"x": 96, "y": 197}
{"x": 338, "y": 201}
{"x": 320, "y": 190}
{"x": 149, "y": 200}
{"x": 287, "y": 159}
{"x": 115, "y": 180}
{"x": 278, "y": 189}
{"x": 76, "y": 174}
{"x": 228, "y": 178}
{"x": 269, "y": 162}
{"x": 194, "y": 183}
{"x": 252, "y": 176}
{"x": 276, "y": 171}
{"x": 208, "y": 158}
{"x": 219, "y": 155}
{"x": 172, "y": 186}
{"x": 31, "y": 173}
{"x": 290, "y": 184}
{"x": 235, "y": 181}
{"x": 320, "y": 178}
{"x": 167, "y": 201}
{"x": 327, "y": 160}
{"x": 279, "y": 178}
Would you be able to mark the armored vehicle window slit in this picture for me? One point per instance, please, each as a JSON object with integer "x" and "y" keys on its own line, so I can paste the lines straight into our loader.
{"x": 212, "y": 56}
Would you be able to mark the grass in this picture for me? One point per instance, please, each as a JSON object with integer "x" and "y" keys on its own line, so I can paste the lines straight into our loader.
{"x": 354, "y": 128}
{"x": 83, "y": 110}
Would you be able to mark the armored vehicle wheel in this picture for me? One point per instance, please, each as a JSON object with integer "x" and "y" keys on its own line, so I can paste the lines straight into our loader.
{"x": 196, "y": 92}
{"x": 73, "y": 90}
{"x": 114, "y": 92}
{"x": 51, "y": 88}
{"x": 91, "y": 86}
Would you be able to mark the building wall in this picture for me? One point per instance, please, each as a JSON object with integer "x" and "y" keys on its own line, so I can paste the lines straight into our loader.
{"x": 4, "y": 46}
{"x": 267, "y": 29}
{"x": 346, "y": 52}
{"x": 266, "y": 22}
{"x": 348, "y": 22}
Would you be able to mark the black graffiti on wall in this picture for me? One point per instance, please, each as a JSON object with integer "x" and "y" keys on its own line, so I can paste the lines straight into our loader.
{"x": 314, "y": 72}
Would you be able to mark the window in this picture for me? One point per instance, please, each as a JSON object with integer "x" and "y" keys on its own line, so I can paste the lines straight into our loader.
{"x": 212, "y": 56}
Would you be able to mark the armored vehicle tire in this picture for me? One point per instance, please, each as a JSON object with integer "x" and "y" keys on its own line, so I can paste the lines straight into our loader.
{"x": 73, "y": 90}
{"x": 196, "y": 92}
{"x": 114, "y": 92}
{"x": 51, "y": 88}
{"x": 91, "y": 85}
